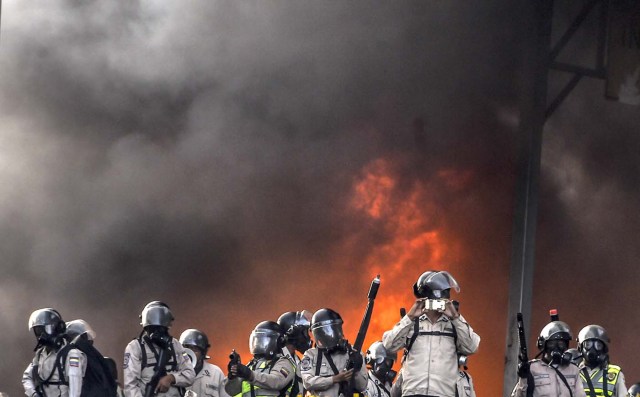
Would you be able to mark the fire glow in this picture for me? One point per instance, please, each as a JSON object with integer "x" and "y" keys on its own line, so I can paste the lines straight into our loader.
{"x": 412, "y": 247}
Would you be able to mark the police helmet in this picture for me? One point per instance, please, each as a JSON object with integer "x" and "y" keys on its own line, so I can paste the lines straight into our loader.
{"x": 76, "y": 328}
{"x": 554, "y": 330}
{"x": 634, "y": 390}
{"x": 193, "y": 337}
{"x": 295, "y": 326}
{"x": 156, "y": 313}
{"x": 377, "y": 354}
{"x": 266, "y": 339}
{"x": 326, "y": 327}
{"x": 593, "y": 333}
{"x": 46, "y": 322}
{"x": 435, "y": 284}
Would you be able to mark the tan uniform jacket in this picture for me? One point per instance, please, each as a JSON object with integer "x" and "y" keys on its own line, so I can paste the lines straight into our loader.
{"x": 464, "y": 384}
{"x": 548, "y": 383}
{"x": 620, "y": 388}
{"x": 377, "y": 388}
{"x": 267, "y": 382}
{"x": 296, "y": 361}
{"x": 74, "y": 369}
{"x": 322, "y": 385}
{"x": 209, "y": 382}
{"x": 431, "y": 367}
{"x": 136, "y": 378}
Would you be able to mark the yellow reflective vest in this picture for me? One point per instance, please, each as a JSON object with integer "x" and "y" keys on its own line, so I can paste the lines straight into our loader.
{"x": 597, "y": 380}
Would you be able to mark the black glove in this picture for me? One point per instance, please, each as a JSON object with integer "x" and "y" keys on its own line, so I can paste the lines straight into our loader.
{"x": 234, "y": 359}
{"x": 243, "y": 371}
{"x": 355, "y": 360}
{"x": 523, "y": 370}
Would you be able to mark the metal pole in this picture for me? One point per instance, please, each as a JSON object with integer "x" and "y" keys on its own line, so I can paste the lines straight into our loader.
{"x": 533, "y": 101}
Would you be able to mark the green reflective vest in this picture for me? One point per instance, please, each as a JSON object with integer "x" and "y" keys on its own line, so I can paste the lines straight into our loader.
{"x": 249, "y": 390}
{"x": 597, "y": 379}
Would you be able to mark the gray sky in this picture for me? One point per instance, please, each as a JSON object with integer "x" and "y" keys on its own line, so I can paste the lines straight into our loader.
{"x": 209, "y": 153}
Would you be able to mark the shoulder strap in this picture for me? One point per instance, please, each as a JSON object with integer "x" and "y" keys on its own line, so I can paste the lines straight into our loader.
{"x": 319, "y": 362}
{"x": 143, "y": 353}
{"x": 332, "y": 365}
{"x": 416, "y": 332}
{"x": 455, "y": 334}
{"x": 531, "y": 384}
{"x": 563, "y": 379}
{"x": 61, "y": 359}
{"x": 587, "y": 377}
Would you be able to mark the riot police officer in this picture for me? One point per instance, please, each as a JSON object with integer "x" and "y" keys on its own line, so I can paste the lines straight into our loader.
{"x": 432, "y": 333}
{"x": 296, "y": 338}
{"x": 554, "y": 374}
{"x": 599, "y": 377}
{"x": 47, "y": 375}
{"x": 634, "y": 390}
{"x": 381, "y": 373}
{"x": 333, "y": 367}
{"x": 269, "y": 373}
{"x": 209, "y": 377}
{"x": 143, "y": 353}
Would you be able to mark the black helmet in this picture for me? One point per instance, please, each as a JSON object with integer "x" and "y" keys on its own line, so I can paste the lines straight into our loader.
{"x": 435, "y": 284}
{"x": 266, "y": 339}
{"x": 48, "y": 327}
{"x": 296, "y": 329}
{"x": 193, "y": 337}
{"x": 634, "y": 390}
{"x": 76, "y": 328}
{"x": 326, "y": 326}
{"x": 156, "y": 313}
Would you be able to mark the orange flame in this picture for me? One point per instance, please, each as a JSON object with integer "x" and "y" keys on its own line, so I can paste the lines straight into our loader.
{"x": 413, "y": 246}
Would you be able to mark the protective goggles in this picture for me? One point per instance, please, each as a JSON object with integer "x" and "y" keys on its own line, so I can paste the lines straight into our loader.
{"x": 593, "y": 343}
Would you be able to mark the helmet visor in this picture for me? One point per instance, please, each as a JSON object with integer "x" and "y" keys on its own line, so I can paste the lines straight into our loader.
{"x": 157, "y": 315}
{"x": 45, "y": 317}
{"x": 328, "y": 335}
{"x": 263, "y": 342}
{"x": 43, "y": 330}
{"x": 439, "y": 281}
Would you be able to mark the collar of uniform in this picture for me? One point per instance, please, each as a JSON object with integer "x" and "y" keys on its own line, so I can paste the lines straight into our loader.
{"x": 287, "y": 354}
{"x": 441, "y": 318}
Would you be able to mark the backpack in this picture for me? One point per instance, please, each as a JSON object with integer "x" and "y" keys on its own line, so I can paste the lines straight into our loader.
{"x": 98, "y": 380}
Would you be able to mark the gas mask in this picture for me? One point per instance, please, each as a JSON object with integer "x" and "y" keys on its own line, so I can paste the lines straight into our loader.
{"x": 594, "y": 352}
{"x": 556, "y": 352}
{"x": 159, "y": 335}
{"x": 341, "y": 347}
{"x": 383, "y": 371}
{"x": 44, "y": 338}
{"x": 302, "y": 342}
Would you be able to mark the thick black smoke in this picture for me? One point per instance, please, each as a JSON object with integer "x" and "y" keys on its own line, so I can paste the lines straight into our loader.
{"x": 204, "y": 153}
